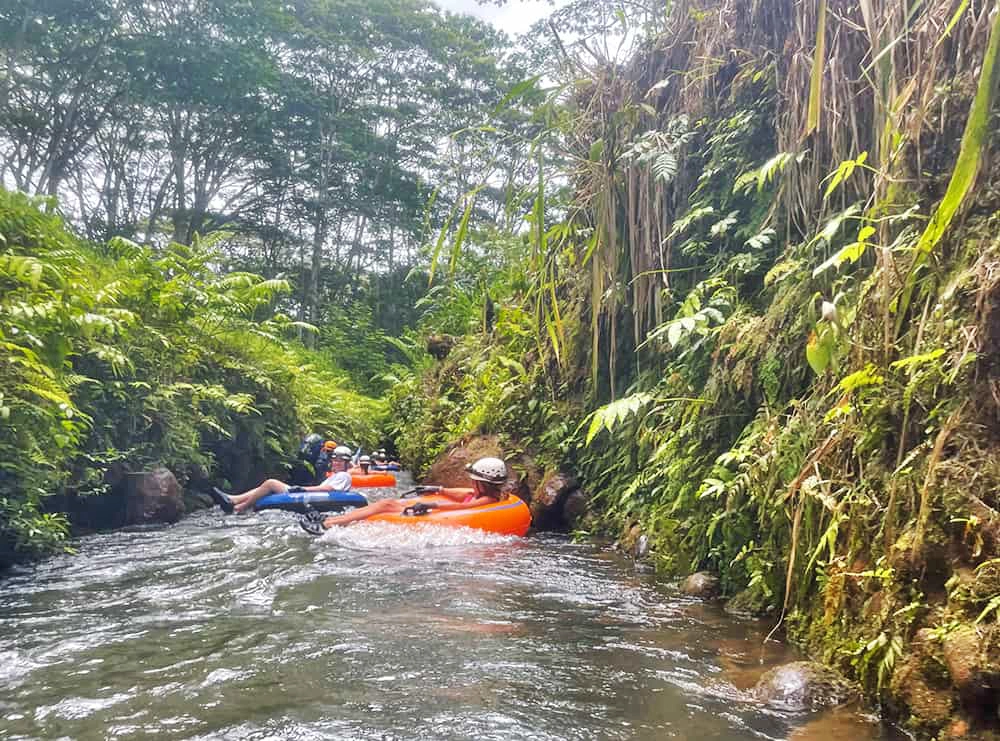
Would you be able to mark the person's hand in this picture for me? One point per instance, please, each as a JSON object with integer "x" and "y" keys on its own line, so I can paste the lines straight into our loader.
{"x": 420, "y": 508}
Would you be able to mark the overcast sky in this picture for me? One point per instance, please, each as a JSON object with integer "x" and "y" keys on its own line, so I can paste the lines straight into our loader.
{"x": 515, "y": 17}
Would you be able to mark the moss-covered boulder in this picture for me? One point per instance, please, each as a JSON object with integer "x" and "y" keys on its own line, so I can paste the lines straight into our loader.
{"x": 803, "y": 686}
{"x": 972, "y": 655}
{"x": 701, "y": 584}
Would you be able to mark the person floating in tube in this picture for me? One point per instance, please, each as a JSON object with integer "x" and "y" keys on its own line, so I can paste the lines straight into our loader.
{"x": 337, "y": 480}
{"x": 364, "y": 465}
{"x": 488, "y": 476}
{"x": 382, "y": 458}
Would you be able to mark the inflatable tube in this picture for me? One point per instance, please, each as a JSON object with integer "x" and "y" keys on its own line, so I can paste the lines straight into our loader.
{"x": 385, "y": 467}
{"x": 322, "y": 501}
{"x": 510, "y": 516}
{"x": 372, "y": 479}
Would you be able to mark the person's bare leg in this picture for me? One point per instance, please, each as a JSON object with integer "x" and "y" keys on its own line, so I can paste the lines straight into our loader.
{"x": 361, "y": 513}
{"x": 246, "y": 500}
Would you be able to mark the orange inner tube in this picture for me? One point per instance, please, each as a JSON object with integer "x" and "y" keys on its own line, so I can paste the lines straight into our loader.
{"x": 509, "y": 516}
{"x": 372, "y": 479}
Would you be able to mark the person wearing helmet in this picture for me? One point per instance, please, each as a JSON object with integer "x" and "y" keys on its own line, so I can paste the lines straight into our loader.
{"x": 488, "y": 477}
{"x": 382, "y": 458}
{"x": 321, "y": 466}
{"x": 364, "y": 463}
{"x": 336, "y": 480}
{"x": 310, "y": 448}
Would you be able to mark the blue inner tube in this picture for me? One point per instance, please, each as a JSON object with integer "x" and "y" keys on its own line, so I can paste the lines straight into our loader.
{"x": 321, "y": 501}
{"x": 386, "y": 467}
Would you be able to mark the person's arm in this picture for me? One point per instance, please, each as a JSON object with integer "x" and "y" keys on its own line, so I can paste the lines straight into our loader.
{"x": 456, "y": 493}
{"x": 340, "y": 481}
{"x": 477, "y": 502}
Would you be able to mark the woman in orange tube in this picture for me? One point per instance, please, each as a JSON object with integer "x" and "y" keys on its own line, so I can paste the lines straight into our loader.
{"x": 488, "y": 476}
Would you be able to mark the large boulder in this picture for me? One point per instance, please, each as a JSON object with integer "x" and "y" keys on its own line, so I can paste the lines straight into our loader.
{"x": 449, "y": 467}
{"x": 973, "y": 662}
{"x": 701, "y": 584}
{"x": 803, "y": 686}
{"x": 523, "y": 475}
{"x": 749, "y": 603}
{"x": 574, "y": 508}
{"x": 930, "y": 707}
{"x": 152, "y": 497}
{"x": 547, "y": 500}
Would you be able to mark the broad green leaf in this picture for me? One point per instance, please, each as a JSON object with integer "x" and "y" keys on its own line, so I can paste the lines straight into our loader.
{"x": 463, "y": 228}
{"x": 817, "y": 354}
{"x": 816, "y": 78}
{"x": 597, "y": 150}
{"x": 974, "y": 140}
{"x": 962, "y": 6}
{"x": 519, "y": 90}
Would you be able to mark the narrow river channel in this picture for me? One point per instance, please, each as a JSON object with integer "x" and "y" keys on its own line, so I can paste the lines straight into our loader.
{"x": 247, "y": 628}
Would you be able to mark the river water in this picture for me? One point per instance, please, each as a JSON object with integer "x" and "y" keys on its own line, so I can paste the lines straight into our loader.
{"x": 247, "y": 628}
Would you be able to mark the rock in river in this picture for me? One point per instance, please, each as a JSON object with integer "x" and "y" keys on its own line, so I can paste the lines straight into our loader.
{"x": 152, "y": 496}
{"x": 574, "y": 508}
{"x": 803, "y": 686}
{"x": 547, "y": 500}
{"x": 701, "y": 584}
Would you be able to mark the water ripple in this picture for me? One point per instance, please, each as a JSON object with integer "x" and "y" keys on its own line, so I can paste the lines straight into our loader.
{"x": 246, "y": 628}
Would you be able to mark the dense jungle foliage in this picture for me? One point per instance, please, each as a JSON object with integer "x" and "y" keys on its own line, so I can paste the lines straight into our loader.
{"x": 116, "y": 355}
{"x": 212, "y": 213}
{"x": 753, "y": 304}
{"x": 733, "y": 263}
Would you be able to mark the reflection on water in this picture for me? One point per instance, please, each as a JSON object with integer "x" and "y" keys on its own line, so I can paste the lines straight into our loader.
{"x": 245, "y": 627}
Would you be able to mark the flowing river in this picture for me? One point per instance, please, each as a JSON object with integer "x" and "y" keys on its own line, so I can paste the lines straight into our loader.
{"x": 247, "y": 628}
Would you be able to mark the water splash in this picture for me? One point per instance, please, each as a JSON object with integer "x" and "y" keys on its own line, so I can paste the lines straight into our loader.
{"x": 387, "y": 536}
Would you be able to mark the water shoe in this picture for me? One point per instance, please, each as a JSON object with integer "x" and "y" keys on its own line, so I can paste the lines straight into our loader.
{"x": 222, "y": 499}
{"x": 313, "y": 527}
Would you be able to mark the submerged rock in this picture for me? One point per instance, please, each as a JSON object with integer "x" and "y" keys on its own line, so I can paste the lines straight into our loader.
{"x": 701, "y": 584}
{"x": 152, "y": 497}
{"x": 803, "y": 686}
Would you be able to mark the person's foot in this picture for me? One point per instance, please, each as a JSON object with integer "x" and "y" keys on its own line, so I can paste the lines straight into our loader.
{"x": 222, "y": 499}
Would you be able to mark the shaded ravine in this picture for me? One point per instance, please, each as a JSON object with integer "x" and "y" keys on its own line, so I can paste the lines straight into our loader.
{"x": 244, "y": 627}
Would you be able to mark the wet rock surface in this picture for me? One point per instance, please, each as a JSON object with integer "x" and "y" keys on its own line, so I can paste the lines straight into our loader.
{"x": 575, "y": 508}
{"x": 152, "y": 497}
{"x": 802, "y": 686}
{"x": 548, "y": 499}
{"x": 701, "y": 584}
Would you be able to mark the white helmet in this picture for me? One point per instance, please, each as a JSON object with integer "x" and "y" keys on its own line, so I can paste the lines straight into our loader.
{"x": 490, "y": 470}
{"x": 342, "y": 451}
{"x": 364, "y": 459}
